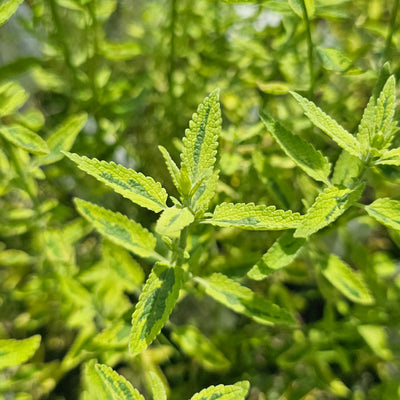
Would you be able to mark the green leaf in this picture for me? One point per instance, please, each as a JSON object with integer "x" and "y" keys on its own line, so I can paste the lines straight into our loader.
{"x": 157, "y": 387}
{"x": 12, "y": 96}
{"x": 383, "y": 128}
{"x": 238, "y": 391}
{"x": 95, "y": 387}
{"x": 128, "y": 272}
{"x": 252, "y": 217}
{"x": 328, "y": 125}
{"x": 333, "y": 59}
{"x": 32, "y": 119}
{"x": 24, "y": 138}
{"x": 119, "y": 51}
{"x": 244, "y": 301}
{"x": 201, "y": 139}
{"x": 7, "y": 9}
{"x": 204, "y": 193}
{"x": 199, "y": 347}
{"x": 155, "y": 304}
{"x": 390, "y": 157}
{"x": 347, "y": 281}
{"x": 366, "y": 126}
{"x": 118, "y": 228}
{"x": 386, "y": 211}
{"x": 140, "y": 189}
{"x": 303, "y": 153}
{"x": 116, "y": 385}
{"x": 329, "y": 205}
{"x": 376, "y": 338}
{"x": 15, "y": 352}
{"x": 173, "y": 220}
{"x": 172, "y": 168}
{"x": 278, "y": 256}
{"x": 63, "y": 138}
{"x": 347, "y": 169}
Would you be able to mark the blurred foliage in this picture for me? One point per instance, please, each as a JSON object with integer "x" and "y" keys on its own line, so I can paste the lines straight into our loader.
{"x": 113, "y": 80}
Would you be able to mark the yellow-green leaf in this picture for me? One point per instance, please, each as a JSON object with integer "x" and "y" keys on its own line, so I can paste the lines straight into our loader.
{"x": 155, "y": 304}
{"x": 196, "y": 345}
{"x": 376, "y": 338}
{"x": 390, "y": 157}
{"x": 116, "y": 385}
{"x": 140, "y": 189}
{"x": 347, "y": 281}
{"x": 171, "y": 166}
{"x": 244, "y": 301}
{"x": 15, "y": 352}
{"x": 173, "y": 220}
{"x": 63, "y": 138}
{"x": 278, "y": 256}
{"x": 303, "y": 153}
{"x": 118, "y": 228}
{"x": 201, "y": 139}
{"x": 24, "y": 138}
{"x": 386, "y": 211}
{"x": 328, "y": 125}
{"x": 12, "y": 96}
{"x": 7, "y": 9}
{"x": 238, "y": 391}
{"x": 328, "y": 206}
{"x": 252, "y": 217}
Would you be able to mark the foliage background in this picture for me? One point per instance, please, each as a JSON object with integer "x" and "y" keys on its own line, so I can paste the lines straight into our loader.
{"x": 139, "y": 70}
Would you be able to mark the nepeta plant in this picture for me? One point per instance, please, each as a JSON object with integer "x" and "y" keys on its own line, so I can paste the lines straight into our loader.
{"x": 196, "y": 181}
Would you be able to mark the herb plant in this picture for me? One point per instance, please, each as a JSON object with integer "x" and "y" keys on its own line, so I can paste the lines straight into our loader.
{"x": 264, "y": 264}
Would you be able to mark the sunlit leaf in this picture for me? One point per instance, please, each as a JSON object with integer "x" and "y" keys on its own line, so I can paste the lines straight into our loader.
{"x": 116, "y": 385}
{"x": 201, "y": 138}
{"x": 328, "y": 206}
{"x": 63, "y": 138}
{"x": 7, "y": 9}
{"x": 244, "y": 301}
{"x": 347, "y": 281}
{"x": 303, "y": 153}
{"x": 238, "y": 391}
{"x": 12, "y": 95}
{"x": 15, "y": 352}
{"x": 386, "y": 211}
{"x": 156, "y": 303}
{"x": 140, "y": 189}
{"x": 118, "y": 228}
{"x": 278, "y": 256}
{"x": 24, "y": 138}
{"x": 252, "y": 217}
{"x": 173, "y": 220}
{"x": 328, "y": 125}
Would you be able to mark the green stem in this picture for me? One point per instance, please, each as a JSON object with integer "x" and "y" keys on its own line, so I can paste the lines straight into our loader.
{"x": 310, "y": 49}
{"x": 388, "y": 42}
{"x": 172, "y": 30}
{"x": 60, "y": 35}
{"x": 92, "y": 62}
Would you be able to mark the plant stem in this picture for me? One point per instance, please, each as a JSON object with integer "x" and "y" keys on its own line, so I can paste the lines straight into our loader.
{"x": 172, "y": 48}
{"x": 60, "y": 35}
{"x": 310, "y": 49}
{"x": 388, "y": 42}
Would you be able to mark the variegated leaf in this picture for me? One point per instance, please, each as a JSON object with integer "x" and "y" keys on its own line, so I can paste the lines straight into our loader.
{"x": 140, "y": 189}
